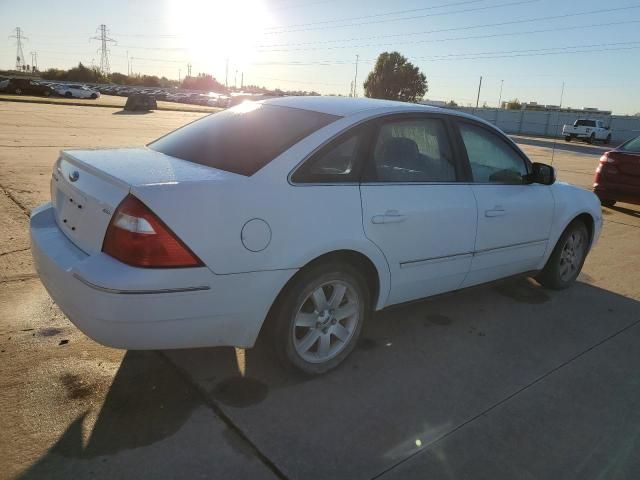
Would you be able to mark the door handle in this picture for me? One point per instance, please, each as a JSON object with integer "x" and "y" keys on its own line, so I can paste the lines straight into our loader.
{"x": 496, "y": 212}
{"x": 391, "y": 216}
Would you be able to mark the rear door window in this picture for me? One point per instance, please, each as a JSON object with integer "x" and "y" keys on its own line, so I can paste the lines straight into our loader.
{"x": 242, "y": 139}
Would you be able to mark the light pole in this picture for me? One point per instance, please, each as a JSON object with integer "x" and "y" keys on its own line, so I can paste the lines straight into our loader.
{"x": 500, "y": 99}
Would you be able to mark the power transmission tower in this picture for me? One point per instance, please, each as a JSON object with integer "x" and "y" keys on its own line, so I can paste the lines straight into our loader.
{"x": 34, "y": 61}
{"x": 103, "y": 50}
{"x": 188, "y": 69}
{"x": 20, "y": 65}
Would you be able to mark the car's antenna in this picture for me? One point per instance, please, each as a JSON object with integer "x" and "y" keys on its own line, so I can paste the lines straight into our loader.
{"x": 555, "y": 137}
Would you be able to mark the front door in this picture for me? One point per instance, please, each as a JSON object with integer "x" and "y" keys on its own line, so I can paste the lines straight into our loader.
{"x": 514, "y": 218}
{"x": 415, "y": 210}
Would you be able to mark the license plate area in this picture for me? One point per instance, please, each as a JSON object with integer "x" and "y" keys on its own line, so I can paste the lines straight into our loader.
{"x": 70, "y": 206}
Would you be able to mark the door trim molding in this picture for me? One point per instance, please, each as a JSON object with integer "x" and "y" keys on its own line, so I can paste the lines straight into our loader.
{"x": 425, "y": 261}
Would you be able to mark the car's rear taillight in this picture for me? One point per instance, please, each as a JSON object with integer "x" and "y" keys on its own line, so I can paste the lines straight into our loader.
{"x": 137, "y": 237}
{"x": 608, "y": 158}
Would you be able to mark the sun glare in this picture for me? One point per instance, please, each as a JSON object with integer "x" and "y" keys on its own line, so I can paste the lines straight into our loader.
{"x": 215, "y": 30}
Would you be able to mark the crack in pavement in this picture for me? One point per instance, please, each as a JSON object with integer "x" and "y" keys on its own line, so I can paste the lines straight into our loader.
{"x": 506, "y": 399}
{"x": 11, "y": 197}
{"x": 19, "y": 278}
{"x": 15, "y": 251}
{"x": 266, "y": 461}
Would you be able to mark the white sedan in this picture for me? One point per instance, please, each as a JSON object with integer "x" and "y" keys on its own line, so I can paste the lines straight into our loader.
{"x": 76, "y": 91}
{"x": 297, "y": 217}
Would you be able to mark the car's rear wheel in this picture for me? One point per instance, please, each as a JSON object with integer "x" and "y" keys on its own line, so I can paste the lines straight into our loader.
{"x": 592, "y": 138}
{"x": 47, "y": 93}
{"x": 68, "y": 94}
{"x": 18, "y": 91}
{"x": 567, "y": 138}
{"x": 319, "y": 317}
{"x": 94, "y": 96}
{"x": 607, "y": 203}
{"x": 569, "y": 254}
{"x": 607, "y": 141}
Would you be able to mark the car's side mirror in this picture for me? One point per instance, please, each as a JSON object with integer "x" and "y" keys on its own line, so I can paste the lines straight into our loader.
{"x": 542, "y": 173}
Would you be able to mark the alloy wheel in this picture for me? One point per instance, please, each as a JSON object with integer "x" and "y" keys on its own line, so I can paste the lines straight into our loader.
{"x": 572, "y": 255}
{"x": 325, "y": 321}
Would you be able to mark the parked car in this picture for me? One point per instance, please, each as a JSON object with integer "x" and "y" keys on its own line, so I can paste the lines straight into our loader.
{"x": 77, "y": 91}
{"x": 618, "y": 175}
{"x": 25, "y": 86}
{"x": 589, "y": 130}
{"x": 309, "y": 212}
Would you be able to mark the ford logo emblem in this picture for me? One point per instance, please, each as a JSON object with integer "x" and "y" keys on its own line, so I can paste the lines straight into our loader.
{"x": 74, "y": 176}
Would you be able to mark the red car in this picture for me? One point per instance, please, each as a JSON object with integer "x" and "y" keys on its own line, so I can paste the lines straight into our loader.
{"x": 618, "y": 175}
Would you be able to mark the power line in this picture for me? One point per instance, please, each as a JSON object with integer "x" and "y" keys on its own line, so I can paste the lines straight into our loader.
{"x": 396, "y": 12}
{"x": 451, "y": 29}
{"x": 469, "y": 37}
{"x": 413, "y": 17}
{"x": 20, "y": 65}
{"x": 103, "y": 50}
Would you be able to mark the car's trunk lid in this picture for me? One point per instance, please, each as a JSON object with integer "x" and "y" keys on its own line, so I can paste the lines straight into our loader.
{"x": 88, "y": 185}
{"x": 628, "y": 164}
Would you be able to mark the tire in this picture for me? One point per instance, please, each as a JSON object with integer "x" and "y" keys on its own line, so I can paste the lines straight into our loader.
{"x": 303, "y": 325}
{"x": 592, "y": 139}
{"x": 567, "y": 258}
{"x": 94, "y": 96}
{"x": 46, "y": 93}
{"x": 17, "y": 91}
{"x": 607, "y": 203}
{"x": 68, "y": 94}
{"x": 607, "y": 140}
{"x": 567, "y": 138}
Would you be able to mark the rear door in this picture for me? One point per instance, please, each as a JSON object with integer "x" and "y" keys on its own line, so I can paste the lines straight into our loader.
{"x": 514, "y": 218}
{"x": 414, "y": 207}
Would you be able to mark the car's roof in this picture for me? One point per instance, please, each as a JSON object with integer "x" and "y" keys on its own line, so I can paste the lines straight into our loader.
{"x": 345, "y": 106}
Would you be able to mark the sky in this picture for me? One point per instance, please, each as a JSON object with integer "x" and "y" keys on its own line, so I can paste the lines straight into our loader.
{"x": 527, "y": 48}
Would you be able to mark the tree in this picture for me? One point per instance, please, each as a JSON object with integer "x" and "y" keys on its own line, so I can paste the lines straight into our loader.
{"x": 395, "y": 78}
{"x": 514, "y": 104}
{"x": 451, "y": 103}
{"x": 203, "y": 82}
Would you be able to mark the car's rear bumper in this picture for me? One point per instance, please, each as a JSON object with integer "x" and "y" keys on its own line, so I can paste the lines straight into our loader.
{"x": 620, "y": 192}
{"x": 133, "y": 308}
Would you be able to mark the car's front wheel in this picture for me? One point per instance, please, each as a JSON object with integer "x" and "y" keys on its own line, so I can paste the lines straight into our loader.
{"x": 568, "y": 256}
{"x": 318, "y": 318}
{"x": 68, "y": 94}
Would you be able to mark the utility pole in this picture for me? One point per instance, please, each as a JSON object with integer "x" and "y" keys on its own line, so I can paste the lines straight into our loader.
{"x": 179, "y": 73}
{"x": 241, "y": 80}
{"x": 226, "y": 74}
{"x": 479, "y": 88}
{"x": 500, "y": 99}
{"x": 355, "y": 78}
{"x": 188, "y": 69}
{"x": 103, "y": 50}
{"x": 19, "y": 53}
{"x": 128, "y": 71}
{"x": 235, "y": 79}
{"x": 351, "y": 89}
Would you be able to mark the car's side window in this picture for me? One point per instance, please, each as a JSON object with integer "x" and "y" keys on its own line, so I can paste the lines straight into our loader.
{"x": 490, "y": 158}
{"x": 335, "y": 163}
{"x": 412, "y": 150}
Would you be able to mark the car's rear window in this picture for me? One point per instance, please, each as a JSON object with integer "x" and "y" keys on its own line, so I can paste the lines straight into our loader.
{"x": 632, "y": 146}
{"x": 585, "y": 123}
{"x": 242, "y": 139}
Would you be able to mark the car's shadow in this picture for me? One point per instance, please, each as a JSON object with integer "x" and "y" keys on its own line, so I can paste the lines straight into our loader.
{"x": 560, "y": 144}
{"x": 626, "y": 211}
{"x": 419, "y": 373}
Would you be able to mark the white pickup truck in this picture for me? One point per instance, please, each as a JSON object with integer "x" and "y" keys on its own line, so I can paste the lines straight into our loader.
{"x": 589, "y": 130}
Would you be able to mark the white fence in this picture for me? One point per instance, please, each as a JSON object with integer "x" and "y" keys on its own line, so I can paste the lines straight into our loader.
{"x": 532, "y": 122}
